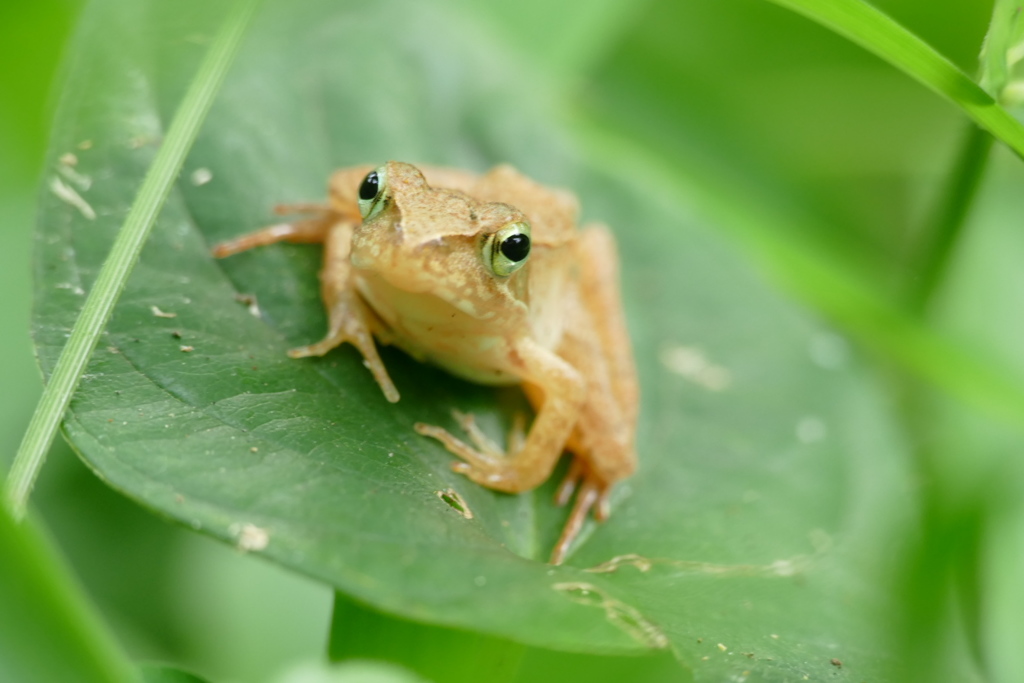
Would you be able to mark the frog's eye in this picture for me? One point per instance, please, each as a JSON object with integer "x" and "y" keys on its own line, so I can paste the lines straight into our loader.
{"x": 506, "y": 250}
{"x": 373, "y": 193}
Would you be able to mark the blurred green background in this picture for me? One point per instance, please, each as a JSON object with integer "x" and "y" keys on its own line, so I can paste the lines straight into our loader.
{"x": 758, "y": 100}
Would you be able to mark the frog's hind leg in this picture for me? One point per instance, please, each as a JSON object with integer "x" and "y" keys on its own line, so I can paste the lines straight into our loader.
{"x": 531, "y": 463}
{"x": 599, "y": 284}
{"x": 602, "y": 442}
{"x": 591, "y": 493}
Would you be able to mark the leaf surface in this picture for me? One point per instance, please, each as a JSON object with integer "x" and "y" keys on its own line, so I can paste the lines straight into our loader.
{"x": 753, "y": 542}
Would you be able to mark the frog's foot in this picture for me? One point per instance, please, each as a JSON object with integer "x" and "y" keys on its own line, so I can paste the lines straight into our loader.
{"x": 486, "y": 453}
{"x": 321, "y": 348}
{"x": 485, "y": 462}
{"x": 349, "y": 329}
{"x": 591, "y": 494}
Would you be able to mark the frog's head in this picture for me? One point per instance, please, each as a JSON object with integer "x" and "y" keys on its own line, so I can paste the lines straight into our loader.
{"x": 441, "y": 242}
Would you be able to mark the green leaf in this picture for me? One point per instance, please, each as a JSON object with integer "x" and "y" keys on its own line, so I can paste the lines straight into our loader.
{"x": 436, "y": 653}
{"x": 456, "y": 656}
{"x": 162, "y": 673}
{"x": 753, "y": 539}
{"x": 47, "y": 630}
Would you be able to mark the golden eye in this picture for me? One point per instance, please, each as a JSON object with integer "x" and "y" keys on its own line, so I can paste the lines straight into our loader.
{"x": 373, "y": 193}
{"x": 506, "y": 251}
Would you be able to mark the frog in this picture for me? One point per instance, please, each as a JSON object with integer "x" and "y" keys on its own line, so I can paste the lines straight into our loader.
{"x": 490, "y": 277}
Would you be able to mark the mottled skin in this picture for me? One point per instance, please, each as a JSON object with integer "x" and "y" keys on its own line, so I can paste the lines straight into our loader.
{"x": 414, "y": 275}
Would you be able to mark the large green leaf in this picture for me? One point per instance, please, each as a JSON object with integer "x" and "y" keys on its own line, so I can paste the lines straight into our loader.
{"x": 772, "y": 484}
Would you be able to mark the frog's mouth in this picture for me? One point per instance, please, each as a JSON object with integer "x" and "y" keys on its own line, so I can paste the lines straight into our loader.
{"x": 396, "y": 302}
{"x": 438, "y": 270}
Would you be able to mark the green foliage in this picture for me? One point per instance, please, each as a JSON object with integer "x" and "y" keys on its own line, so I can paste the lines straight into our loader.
{"x": 776, "y": 500}
{"x": 350, "y": 672}
{"x": 765, "y": 478}
{"x": 159, "y": 673}
{"x": 47, "y": 633}
{"x": 1001, "y": 53}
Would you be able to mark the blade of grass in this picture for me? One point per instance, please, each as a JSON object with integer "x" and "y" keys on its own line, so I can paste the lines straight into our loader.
{"x": 946, "y": 225}
{"x": 877, "y": 33}
{"x": 935, "y": 250}
{"x": 125, "y": 252}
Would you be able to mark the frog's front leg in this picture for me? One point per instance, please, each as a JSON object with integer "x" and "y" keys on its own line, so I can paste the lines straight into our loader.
{"x": 349, "y": 318}
{"x": 531, "y": 464}
{"x": 307, "y": 231}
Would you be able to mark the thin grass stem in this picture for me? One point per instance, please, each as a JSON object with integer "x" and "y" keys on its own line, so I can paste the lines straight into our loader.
{"x": 946, "y": 226}
{"x": 122, "y": 258}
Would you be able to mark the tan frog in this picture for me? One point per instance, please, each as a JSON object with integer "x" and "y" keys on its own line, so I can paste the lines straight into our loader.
{"x": 487, "y": 277}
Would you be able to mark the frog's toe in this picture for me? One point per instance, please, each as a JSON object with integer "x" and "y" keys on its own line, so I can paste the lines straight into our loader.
{"x": 456, "y": 446}
{"x": 318, "y": 349}
{"x": 503, "y": 479}
{"x": 370, "y": 358}
{"x": 563, "y": 494}
{"x": 591, "y": 495}
{"x": 481, "y": 441}
{"x": 484, "y": 462}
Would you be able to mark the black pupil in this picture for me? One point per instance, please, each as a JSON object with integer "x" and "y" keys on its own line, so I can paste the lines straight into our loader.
{"x": 368, "y": 190}
{"x": 516, "y": 247}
